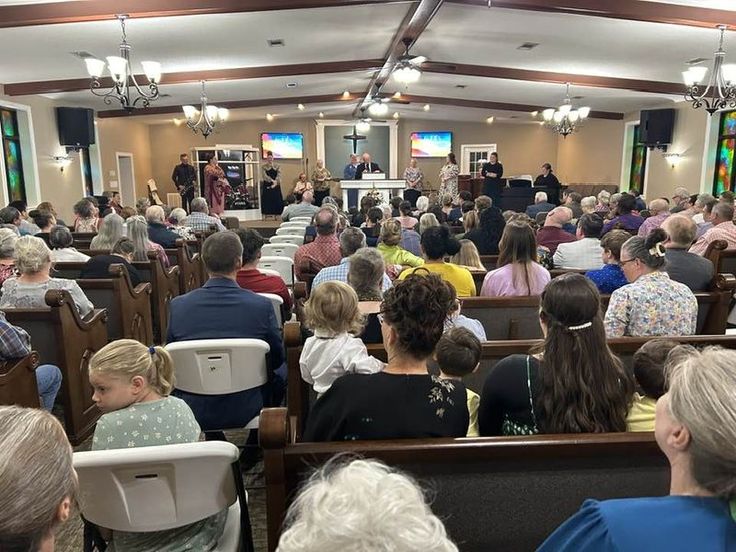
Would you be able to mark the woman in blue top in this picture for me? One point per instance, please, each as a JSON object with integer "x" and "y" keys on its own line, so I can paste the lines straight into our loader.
{"x": 696, "y": 429}
{"x": 611, "y": 277}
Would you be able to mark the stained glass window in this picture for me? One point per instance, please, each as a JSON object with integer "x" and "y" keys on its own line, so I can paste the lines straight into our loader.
{"x": 725, "y": 174}
{"x": 12, "y": 155}
{"x": 638, "y": 163}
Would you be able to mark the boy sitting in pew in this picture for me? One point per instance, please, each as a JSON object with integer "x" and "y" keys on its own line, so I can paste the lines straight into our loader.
{"x": 648, "y": 363}
{"x": 458, "y": 354}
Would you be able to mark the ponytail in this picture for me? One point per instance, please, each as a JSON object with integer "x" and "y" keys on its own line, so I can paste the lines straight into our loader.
{"x": 127, "y": 358}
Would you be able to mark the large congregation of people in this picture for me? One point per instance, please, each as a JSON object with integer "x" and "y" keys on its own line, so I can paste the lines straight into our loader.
{"x": 396, "y": 275}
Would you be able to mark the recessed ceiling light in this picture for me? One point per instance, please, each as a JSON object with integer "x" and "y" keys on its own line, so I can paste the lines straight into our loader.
{"x": 534, "y": 113}
{"x": 269, "y": 117}
{"x": 528, "y": 46}
{"x": 426, "y": 107}
{"x": 291, "y": 85}
{"x": 321, "y": 115}
{"x": 177, "y": 121}
{"x": 396, "y": 114}
{"x": 489, "y": 120}
{"x": 345, "y": 95}
{"x": 397, "y": 94}
{"x": 300, "y": 107}
{"x": 275, "y": 42}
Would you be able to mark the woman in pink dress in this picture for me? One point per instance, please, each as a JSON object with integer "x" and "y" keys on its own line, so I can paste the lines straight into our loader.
{"x": 215, "y": 186}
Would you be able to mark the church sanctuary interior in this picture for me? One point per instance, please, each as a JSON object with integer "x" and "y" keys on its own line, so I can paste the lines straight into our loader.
{"x": 367, "y": 275}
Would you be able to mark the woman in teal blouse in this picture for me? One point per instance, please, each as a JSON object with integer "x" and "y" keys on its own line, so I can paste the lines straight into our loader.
{"x": 696, "y": 429}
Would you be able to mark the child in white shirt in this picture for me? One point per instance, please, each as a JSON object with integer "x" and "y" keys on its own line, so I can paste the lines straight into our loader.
{"x": 332, "y": 314}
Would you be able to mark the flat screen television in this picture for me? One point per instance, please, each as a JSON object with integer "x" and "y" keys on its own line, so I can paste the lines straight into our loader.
{"x": 431, "y": 144}
{"x": 283, "y": 145}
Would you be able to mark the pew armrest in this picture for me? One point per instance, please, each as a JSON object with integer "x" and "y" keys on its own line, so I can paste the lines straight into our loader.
{"x": 57, "y": 297}
{"x": 273, "y": 428}
{"x": 724, "y": 282}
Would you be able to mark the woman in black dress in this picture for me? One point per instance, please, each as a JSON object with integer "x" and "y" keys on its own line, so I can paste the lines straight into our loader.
{"x": 572, "y": 383}
{"x": 272, "y": 203}
{"x": 492, "y": 183}
{"x": 403, "y": 401}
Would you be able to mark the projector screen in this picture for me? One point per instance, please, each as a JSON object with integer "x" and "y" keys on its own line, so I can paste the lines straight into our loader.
{"x": 284, "y": 145}
{"x": 431, "y": 144}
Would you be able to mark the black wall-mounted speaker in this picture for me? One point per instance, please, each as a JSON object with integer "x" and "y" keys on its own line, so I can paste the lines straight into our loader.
{"x": 656, "y": 126}
{"x": 76, "y": 126}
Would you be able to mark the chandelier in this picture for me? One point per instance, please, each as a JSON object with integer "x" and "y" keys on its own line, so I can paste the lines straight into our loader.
{"x": 720, "y": 92}
{"x": 565, "y": 120}
{"x": 123, "y": 77}
{"x": 206, "y": 118}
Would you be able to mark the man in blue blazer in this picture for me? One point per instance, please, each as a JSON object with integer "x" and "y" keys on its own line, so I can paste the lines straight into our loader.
{"x": 219, "y": 310}
{"x": 541, "y": 205}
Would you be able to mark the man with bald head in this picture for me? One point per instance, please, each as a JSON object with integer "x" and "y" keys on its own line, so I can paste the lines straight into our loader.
{"x": 551, "y": 234}
{"x": 366, "y": 167}
{"x": 659, "y": 212}
{"x": 325, "y": 249}
{"x": 694, "y": 271}
{"x": 723, "y": 229}
{"x": 303, "y": 209}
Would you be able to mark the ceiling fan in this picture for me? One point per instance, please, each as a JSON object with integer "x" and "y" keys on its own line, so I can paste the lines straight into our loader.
{"x": 377, "y": 104}
{"x": 407, "y": 68}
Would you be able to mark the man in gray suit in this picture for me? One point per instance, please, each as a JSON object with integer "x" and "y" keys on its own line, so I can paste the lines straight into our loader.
{"x": 687, "y": 268}
{"x": 541, "y": 205}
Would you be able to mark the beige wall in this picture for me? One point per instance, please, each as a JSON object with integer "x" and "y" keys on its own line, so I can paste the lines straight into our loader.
{"x": 593, "y": 154}
{"x": 688, "y": 139}
{"x": 168, "y": 141}
{"x": 126, "y": 136}
{"x": 61, "y": 189}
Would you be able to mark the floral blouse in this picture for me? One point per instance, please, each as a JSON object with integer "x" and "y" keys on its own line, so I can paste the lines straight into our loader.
{"x": 412, "y": 174}
{"x": 652, "y": 305}
{"x": 321, "y": 179}
{"x": 18, "y": 295}
{"x": 449, "y": 172}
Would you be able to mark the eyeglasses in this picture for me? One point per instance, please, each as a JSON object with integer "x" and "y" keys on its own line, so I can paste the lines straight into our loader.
{"x": 622, "y": 263}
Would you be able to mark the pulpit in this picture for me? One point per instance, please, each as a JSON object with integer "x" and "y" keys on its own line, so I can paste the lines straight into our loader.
{"x": 386, "y": 189}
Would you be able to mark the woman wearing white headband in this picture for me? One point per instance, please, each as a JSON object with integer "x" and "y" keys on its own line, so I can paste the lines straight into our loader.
{"x": 651, "y": 304}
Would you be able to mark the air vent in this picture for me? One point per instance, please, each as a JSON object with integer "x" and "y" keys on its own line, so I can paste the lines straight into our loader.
{"x": 291, "y": 85}
{"x": 577, "y": 97}
{"x": 81, "y": 54}
{"x": 461, "y": 86}
{"x": 275, "y": 42}
{"x": 528, "y": 46}
{"x": 696, "y": 61}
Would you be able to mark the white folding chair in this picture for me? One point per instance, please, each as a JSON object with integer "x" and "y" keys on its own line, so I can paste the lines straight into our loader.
{"x": 164, "y": 487}
{"x": 294, "y": 224}
{"x": 296, "y": 240}
{"x": 220, "y": 366}
{"x": 283, "y": 265}
{"x": 291, "y": 231}
{"x": 279, "y": 250}
{"x": 277, "y": 303}
{"x": 269, "y": 272}
{"x": 308, "y": 220}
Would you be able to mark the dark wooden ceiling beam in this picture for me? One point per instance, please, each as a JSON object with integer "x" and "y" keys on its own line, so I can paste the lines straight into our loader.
{"x": 83, "y": 11}
{"x": 415, "y": 21}
{"x": 240, "y": 73}
{"x": 631, "y": 10}
{"x": 511, "y": 73}
{"x": 354, "y": 96}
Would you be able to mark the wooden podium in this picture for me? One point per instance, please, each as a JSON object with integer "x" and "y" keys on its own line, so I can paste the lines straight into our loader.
{"x": 386, "y": 188}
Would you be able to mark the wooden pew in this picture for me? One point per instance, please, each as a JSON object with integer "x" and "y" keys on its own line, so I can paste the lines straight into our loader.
{"x": 492, "y": 493}
{"x": 489, "y": 261}
{"x": 18, "y": 381}
{"x": 300, "y": 394}
{"x": 128, "y": 308}
{"x": 190, "y": 271}
{"x": 82, "y": 240}
{"x": 164, "y": 287}
{"x": 724, "y": 260}
{"x": 63, "y": 338}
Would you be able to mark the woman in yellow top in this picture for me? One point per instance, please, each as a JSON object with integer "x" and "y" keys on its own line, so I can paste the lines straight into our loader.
{"x": 437, "y": 242}
{"x": 648, "y": 364}
{"x": 393, "y": 254}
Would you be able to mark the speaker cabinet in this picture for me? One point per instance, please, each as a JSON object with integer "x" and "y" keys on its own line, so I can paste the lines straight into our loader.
{"x": 76, "y": 126}
{"x": 656, "y": 126}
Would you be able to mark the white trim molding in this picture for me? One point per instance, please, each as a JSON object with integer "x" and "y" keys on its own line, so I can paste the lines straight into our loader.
{"x": 28, "y": 154}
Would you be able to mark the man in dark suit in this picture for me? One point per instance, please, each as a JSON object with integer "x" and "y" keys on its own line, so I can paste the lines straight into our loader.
{"x": 122, "y": 253}
{"x": 694, "y": 271}
{"x": 221, "y": 309}
{"x": 185, "y": 180}
{"x": 366, "y": 167}
{"x": 157, "y": 230}
{"x": 541, "y": 205}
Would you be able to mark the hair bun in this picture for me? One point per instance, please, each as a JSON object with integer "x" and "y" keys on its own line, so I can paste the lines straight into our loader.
{"x": 656, "y": 236}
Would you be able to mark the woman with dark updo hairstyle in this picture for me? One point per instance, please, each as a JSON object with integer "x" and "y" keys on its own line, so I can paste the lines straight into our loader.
{"x": 403, "y": 401}
{"x": 651, "y": 304}
{"x": 437, "y": 243}
{"x": 572, "y": 383}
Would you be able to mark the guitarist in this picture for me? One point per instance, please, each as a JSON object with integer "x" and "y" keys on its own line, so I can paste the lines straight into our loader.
{"x": 185, "y": 180}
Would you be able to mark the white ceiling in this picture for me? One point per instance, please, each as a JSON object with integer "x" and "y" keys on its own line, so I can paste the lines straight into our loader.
{"x": 458, "y": 34}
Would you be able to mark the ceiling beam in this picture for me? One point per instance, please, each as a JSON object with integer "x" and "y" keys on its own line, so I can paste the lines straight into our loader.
{"x": 183, "y": 77}
{"x": 637, "y": 85}
{"x": 414, "y": 22}
{"x": 83, "y": 11}
{"x": 631, "y": 10}
{"x": 354, "y": 96}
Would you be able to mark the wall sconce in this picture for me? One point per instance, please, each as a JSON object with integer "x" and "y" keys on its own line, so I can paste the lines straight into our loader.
{"x": 63, "y": 161}
{"x": 673, "y": 158}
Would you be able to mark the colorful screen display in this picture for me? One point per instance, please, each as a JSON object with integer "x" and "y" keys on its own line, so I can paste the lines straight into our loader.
{"x": 431, "y": 144}
{"x": 284, "y": 145}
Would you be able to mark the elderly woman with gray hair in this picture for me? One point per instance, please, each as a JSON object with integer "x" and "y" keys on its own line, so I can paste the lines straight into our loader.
{"x": 61, "y": 240}
{"x": 8, "y": 238}
{"x": 365, "y": 276}
{"x": 695, "y": 427}
{"x": 28, "y": 290}
{"x": 176, "y": 218}
{"x": 138, "y": 233}
{"x": 651, "y": 304}
{"x": 111, "y": 230}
